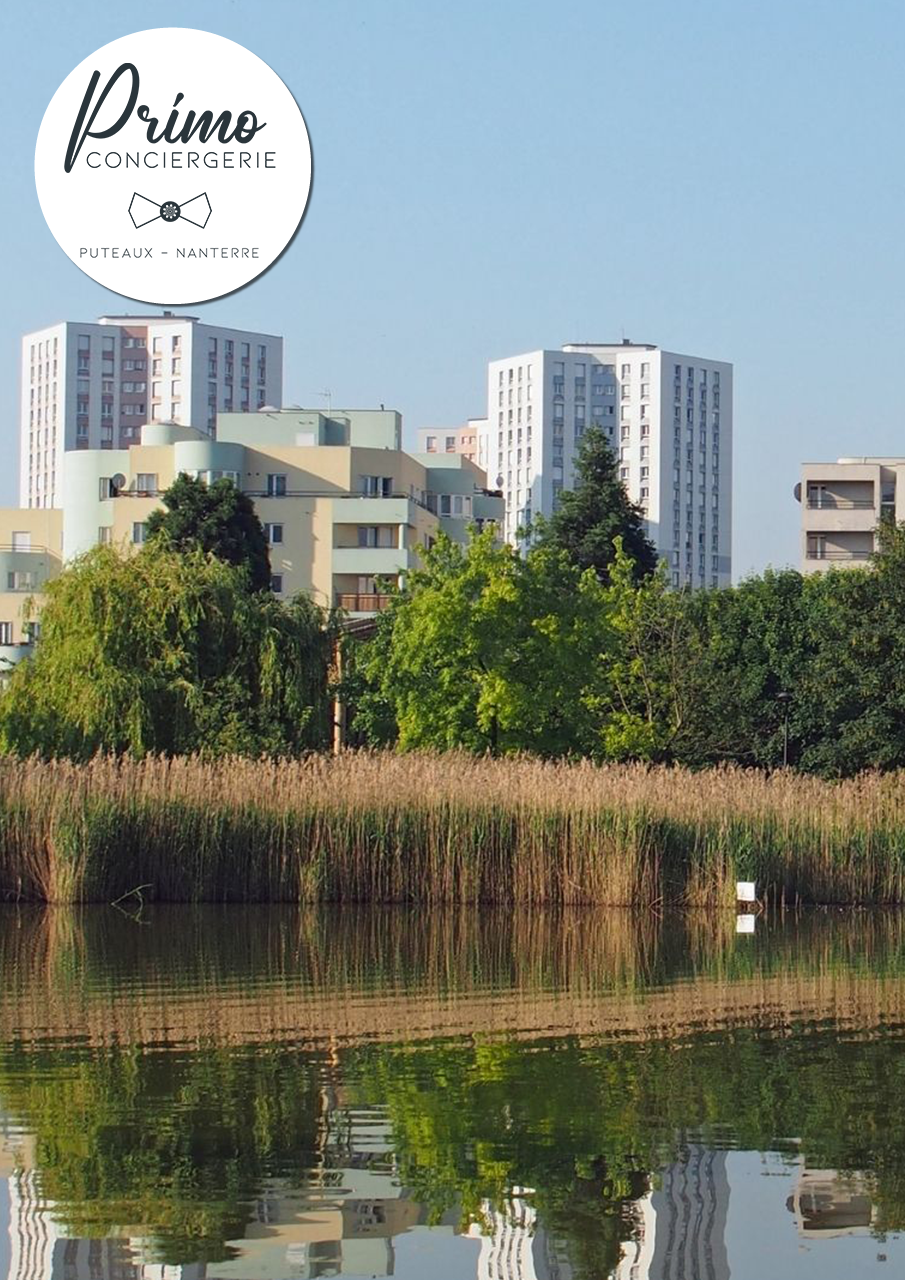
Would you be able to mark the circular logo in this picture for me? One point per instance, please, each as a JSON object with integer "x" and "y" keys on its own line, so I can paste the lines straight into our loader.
{"x": 173, "y": 166}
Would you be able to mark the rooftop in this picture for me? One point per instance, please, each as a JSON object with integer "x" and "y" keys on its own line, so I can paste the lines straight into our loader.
{"x": 144, "y": 318}
{"x": 623, "y": 342}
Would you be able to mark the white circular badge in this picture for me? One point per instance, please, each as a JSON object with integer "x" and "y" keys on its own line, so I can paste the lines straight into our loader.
{"x": 173, "y": 166}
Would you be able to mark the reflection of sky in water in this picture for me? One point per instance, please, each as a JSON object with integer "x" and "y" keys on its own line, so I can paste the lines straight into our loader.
{"x": 763, "y": 1240}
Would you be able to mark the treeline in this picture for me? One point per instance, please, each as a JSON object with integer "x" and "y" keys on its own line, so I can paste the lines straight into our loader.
{"x": 573, "y": 647}
{"x": 578, "y": 648}
{"x": 492, "y": 652}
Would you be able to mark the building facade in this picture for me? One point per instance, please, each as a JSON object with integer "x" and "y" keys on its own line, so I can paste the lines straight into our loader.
{"x": 31, "y": 554}
{"x": 667, "y": 416}
{"x": 462, "y": 440}
{"x": 842, "y": 504}
{"x": 93, "y": 385}
{"x": 344, "y": 508}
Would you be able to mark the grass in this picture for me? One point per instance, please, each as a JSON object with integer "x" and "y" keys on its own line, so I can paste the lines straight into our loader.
{"x": 434, "y": 829}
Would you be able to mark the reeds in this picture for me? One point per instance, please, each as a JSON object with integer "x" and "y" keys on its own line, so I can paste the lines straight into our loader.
{"x": 434, "y": 829}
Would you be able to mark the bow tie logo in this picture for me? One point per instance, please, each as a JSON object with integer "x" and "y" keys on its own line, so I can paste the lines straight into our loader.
{"x": 196, "y": 211}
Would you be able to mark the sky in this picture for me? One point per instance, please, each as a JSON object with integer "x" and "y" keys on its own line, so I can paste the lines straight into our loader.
{"x": 724, "y": 179}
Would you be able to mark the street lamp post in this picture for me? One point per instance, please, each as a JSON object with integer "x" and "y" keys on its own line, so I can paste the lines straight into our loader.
{"x": 785, "y": 698}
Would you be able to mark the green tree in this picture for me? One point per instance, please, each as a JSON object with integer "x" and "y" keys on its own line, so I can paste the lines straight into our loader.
{"x": 588, "y": 519}
{"x": 486, "y": 651}
{"x": 167, "y": 652}
{"x": 216, "y": 518}
{"x": 646, "y": 689}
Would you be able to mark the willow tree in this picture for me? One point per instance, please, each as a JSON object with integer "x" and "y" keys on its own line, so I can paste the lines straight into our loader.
{"x": 171, "y": 653}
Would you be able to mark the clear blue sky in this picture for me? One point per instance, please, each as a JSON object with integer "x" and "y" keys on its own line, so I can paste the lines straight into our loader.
{"x": 725, "y": 179}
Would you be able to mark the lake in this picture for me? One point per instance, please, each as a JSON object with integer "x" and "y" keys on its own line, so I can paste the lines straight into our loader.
{"x": 266, "y": 1093}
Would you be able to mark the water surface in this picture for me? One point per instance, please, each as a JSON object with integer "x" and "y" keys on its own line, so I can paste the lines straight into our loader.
{"x": 267, "y": 1093}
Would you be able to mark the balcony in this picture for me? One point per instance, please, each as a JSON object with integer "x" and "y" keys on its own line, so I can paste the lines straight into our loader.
{"x": 840, "y": 504}
{"x": 352, "y": 603}
{"x": 383, "y": 562}
{"x": 843, "y": 556}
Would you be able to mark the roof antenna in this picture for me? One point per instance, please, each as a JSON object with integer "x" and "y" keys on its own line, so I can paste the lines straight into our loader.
{"x": 328, "y": 396}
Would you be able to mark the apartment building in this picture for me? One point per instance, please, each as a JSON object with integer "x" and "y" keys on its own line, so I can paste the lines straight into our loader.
{"x": 667, "y": 416}
{"x": 462, "y": 440}
{"x": 842, "y": 504}
{"x": 342, "y": 505}
{"x": 93, "y": 386}
{"x": 31, "y": 554}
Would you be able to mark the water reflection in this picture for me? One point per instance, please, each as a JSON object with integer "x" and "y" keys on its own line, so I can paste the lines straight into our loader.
{"x": 269, "y": 1093}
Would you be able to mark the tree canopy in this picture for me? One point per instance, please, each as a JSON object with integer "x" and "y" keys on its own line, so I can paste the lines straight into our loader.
{"x": 217, "y": 518}
{"x": 486, "y": 650}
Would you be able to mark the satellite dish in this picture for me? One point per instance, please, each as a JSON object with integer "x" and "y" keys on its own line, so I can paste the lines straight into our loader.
{"x": 499, "y": 482}
{"x": 117, "y": 482}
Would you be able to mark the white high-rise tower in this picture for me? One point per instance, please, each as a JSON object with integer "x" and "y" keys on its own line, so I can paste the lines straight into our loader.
{"x": 668, "y": 417}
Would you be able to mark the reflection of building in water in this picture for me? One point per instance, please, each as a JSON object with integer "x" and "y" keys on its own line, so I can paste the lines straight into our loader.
{"x": 32, "y": 1233}
{"x": 680, "y": 1228}
{"x": 342, "y": 1221}
{"x": 513, "y": 1246}
{"x": 826, "y": 1203}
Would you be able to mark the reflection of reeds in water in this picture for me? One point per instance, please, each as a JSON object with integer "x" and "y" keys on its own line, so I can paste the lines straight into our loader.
{"x": 250, "y": 975}
{"x": 435, "y": 829}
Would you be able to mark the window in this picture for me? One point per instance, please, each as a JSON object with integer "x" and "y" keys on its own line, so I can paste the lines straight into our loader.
{"x": 20, "y": 580}
{"x": 84, "y": 342}
{"x": 22, "y": 541}
{"x": 276, "y": 583}
{"x": 105, "y": 535}
{"x": 146, "y": 482}
{"x": 645, "y": 370}
{"x": 276, "y": 486}
{"x": 274, "y": 534}
{"x": 431, "y": 444}
{"x": 376, "y": 536}
{"x": 450, "y": 444}
{"x": 377, "y": 486}
{"x": 139, "y": 532}
{"x": 6, "y": 633}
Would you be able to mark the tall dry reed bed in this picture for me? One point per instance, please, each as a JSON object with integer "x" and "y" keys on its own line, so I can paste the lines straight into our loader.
{"x": 431, "y": 829}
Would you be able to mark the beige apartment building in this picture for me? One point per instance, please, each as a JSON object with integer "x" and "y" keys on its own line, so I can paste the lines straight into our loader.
{"x": 31, "y": 553}
{"x": 464, "y": 440}
{"x": 842, "y": 504}
{"x": 345, "y": 510}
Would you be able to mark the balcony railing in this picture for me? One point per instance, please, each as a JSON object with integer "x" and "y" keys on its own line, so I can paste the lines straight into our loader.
{"x": 838, "y": 555}
{"x": 372, "y": 603}
{"x": 840, "y": 504}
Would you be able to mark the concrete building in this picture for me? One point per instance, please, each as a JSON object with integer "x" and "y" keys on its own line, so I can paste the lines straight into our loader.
{"x": 464, "y": 440}
{"x": 842, "y": 504}
{"x": 667, "y": 416}
{"x": 92, "y": 386}
{"x": 31, "y": 553}
{"x": 342, "y": 505}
